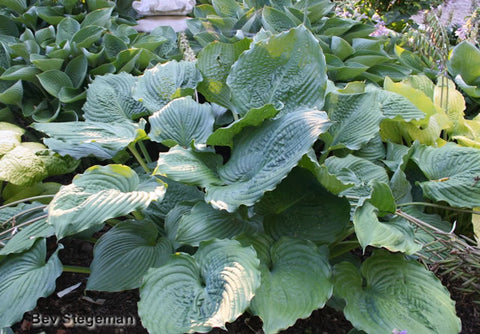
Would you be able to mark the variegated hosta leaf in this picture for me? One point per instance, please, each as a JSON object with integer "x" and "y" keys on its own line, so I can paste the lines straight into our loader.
{"x": 453, "y": 171}
{"x": 124, "y": 254}
{"x": 294, "y": 284}
{"x": 391, "y": 292}
{"x": 109, "y": 99}
{"x": 301, "y": 208}
{"x": 156, "y": 86}
{"x": 25, "y": 278}
{"x": 199, "y": 292}
{"x": 101, "y": 193}
{"x": 189, "y": 167}
{"x": 287, "y": 70}
{"x": 81, "y": 139}
{"x": 181, "y": 122}
{"x": 204, "y": 223}
{"x": 263, "y": 156}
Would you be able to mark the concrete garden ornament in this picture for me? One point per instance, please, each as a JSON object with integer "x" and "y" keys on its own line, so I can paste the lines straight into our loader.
{"x": 163, "y": 7}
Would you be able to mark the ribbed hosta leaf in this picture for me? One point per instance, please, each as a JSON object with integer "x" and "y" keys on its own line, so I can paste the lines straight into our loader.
{"x": 182, "y": 121}
{"x": 204, "y": 223}
{"x": 294, "y": 284}
{"x": 124, "y": 254}
{"x": 99, "y": 194}
{"x": 391, "y": 292}
{"x": 25, "y": 278}
{"x": 453, "y": 172}
{"x": 81, "y": 139}
{"x": 287, "y": 70}
{"x": 25, "y": 238}
{"x": 263, "y": 156}
{"x": 157, "y": 85}
{"x": 300, "y": 207}
{"x": 189, "y": 167}
{"x": 109, "y": 99}
{"x": 196, "y": 293}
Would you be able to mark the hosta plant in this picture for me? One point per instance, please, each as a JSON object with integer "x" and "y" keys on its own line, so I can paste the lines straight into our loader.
{"x": 255, "y": 179}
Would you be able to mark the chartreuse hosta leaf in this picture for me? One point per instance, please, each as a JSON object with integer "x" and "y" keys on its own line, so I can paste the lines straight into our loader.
{"x": 25, "y": 278}
{"x": 81, "y": 139}
{"x": 391, "y": 292}
{"x": 10, "y": 136}
{"x": 286, "y": 70}
{"x": 156, "y": 86}
{"x": 453, "y": 172}
{"x": 300, "y": 207}
{"x": 101, "y": 193}
{"x": 182, "y": 121}
{"x": 109, "y": 99}
{"x": 124, "y": 254}
{"x": 263, "y": 156}
{"x": 199, "y": 292}
{"x": 295, "y": 280}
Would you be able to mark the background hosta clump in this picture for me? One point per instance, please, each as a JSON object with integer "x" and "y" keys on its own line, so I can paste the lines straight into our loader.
{"x": 242, "y": 181}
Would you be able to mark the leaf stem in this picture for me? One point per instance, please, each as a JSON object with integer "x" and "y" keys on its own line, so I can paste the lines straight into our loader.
{"x": 22, "y": 213}
{"x": 145, "y": 152}
{"x": 433, "y": 205}
{"x": 28, "y": 222}
{"x": 76, "y": 269}
{"x": 137, "y": 156}
{"x": 25, "y": 200}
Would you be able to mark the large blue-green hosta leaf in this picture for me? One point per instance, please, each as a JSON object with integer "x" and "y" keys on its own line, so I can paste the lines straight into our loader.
{"x": 286, "y": 70}
{"x": 196, "y": 293}
{"x": 81, "y": 139}
{"x": 181, "y": 122}
{"x": 263, "y": 156}
{"x": 453, "y": 172}
{"x": 156, "y": 86}
{"x": 124, "y": 254}
{"x": 295, "y": 282}
{"x": 109, "y": 99}
{"x": 391, "y": 292}
{"x": 101, "y": 193}
{"x": 26, "y": 277}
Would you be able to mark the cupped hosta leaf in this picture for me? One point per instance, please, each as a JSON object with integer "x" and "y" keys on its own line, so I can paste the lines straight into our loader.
{"x": 25, "y": 278}
{"x": 12, "y": 94}
{"x": 182, "y": 121}
{"x": 287, "y": 69}
{"x": 109, "y": 99}
{"x": 465, "y": 61}
{"x": 294, "y": 284}
{"x": 196, "y": 293}
{"x": 301, "y": 208}
{"x": 189, "y": 167}
{"x": 124, "y": 254}
{"x": 101, "y": 193}
{"x": 391, "y": 292}
{"x": 204, "y": 223}
{"x": 81, "y": 139}
{"x": 54, "y": 80}
{"x": 215, "y": 62}
{"x": 263, "y": 156}
{"x": 453, "y": 172}
{"x": 254, "y": 117}
{"x": 157, "y": 85}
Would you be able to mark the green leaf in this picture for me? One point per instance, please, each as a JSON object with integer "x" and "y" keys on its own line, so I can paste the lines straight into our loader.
{"x": 214, "y": 63}
{"x": 452, "y": 171}
{"x": 85, "y": 37}
{"x": 254, "y": 117}
{"x": 46, "y": 64}
{"x": 156, "y": 86}
{"x": 204, "y": 223}
{"x": 124, "y": 254}
{"x": 20, "y": 72}
{"x": 189, "y": 167}
{"x": 113, "y": 45}
{"x": 341, "y": 48}
{"x": 25, "y": 278}
{"x": 51, "y": 14}
{"x": 294, "y": 284}
{"x": 109, "y": 99}
{"x": 10, "y": 137}
{"x": 54, "y": 80}
{"x": 27, "y": 236}
{"x": 199, "y": 292}
{"x": 287, "y": 70}
{"x": 391, "y": 292}
{"x": 182, "y": 121}
{"x": 301, "y": 208}
{"x": 99, "y": 194}
{"x": 66, "y": 29}
{"x": 22, "y": 166}
{"x": 277, "y": 21}
{"x": 464, "y": 60}
{"x": 263, "y": 156}
{"x": 76, "y": 69}
{"x": 81, "y": 139}
{"x": 99, "y": 17}
{"x": 13, "y": 94}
